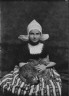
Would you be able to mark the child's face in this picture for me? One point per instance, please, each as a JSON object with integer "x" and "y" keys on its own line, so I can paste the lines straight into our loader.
{"x": 34, "y": 35}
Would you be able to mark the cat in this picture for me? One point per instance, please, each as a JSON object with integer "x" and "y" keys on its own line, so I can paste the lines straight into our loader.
{"x": 29, "y": 74}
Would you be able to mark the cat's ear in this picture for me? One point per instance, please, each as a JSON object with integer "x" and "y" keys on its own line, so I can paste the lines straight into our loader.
{"x": 46, "y": 59}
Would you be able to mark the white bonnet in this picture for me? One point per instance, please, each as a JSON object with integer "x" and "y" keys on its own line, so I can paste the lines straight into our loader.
{"x": 34, "y": 25}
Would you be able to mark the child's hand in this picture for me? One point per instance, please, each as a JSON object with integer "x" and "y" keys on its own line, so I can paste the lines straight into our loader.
{"x": 40, "y": 67}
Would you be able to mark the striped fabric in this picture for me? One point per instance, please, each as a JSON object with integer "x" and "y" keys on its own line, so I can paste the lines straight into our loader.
{"x": 47, "y": 87}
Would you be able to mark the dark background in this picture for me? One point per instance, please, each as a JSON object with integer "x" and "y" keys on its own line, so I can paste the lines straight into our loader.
{"x": 54, "y": 18}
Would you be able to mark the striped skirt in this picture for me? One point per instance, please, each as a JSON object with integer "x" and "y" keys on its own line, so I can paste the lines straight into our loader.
{"x": 50, "y": 87}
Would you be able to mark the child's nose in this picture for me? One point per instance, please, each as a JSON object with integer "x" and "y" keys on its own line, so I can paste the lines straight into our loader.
{"x": 34, "y": 36}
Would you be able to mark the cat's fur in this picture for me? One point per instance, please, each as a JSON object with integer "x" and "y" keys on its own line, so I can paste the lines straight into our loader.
{"x": 29, "y": 74}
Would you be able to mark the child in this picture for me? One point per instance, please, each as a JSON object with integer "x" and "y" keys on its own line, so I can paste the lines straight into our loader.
{"x": 47, "y": 85}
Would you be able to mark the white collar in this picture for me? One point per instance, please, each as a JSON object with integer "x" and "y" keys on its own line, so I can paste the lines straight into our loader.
{"x": 37, "y": 49}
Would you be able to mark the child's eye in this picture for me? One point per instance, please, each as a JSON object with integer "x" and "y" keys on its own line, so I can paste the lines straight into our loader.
{"x": 31, "y": 33}
{"x": 37, "y": 33}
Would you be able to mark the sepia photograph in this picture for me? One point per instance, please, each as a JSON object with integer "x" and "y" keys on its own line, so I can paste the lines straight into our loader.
{"x": 34, "y": 48}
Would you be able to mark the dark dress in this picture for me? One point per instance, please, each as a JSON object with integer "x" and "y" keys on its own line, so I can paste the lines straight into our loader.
{"x": 12, "y": 82}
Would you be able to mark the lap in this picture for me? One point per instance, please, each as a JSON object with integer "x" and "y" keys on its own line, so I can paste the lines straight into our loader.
{"x": 12, "y": 83}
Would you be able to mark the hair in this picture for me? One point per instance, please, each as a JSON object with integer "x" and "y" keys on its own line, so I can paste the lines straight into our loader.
{"x": 38, "y": 31}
